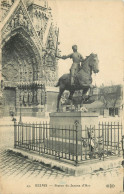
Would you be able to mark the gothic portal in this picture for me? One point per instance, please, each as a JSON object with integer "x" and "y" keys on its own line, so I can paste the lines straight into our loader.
{"x": 29, "y": 66}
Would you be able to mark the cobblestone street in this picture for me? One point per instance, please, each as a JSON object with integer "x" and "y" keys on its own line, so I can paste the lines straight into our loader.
{"x": 21, "y": 170}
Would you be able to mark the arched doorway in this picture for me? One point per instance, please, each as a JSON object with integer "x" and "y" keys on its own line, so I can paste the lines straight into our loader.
{"x": 19, "y": 61}
{"x": 20, "y": 66}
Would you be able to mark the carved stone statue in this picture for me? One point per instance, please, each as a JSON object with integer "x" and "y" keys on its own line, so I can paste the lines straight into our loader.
{"x": 25, "y": 22}
{"x": 25, "y": 98}
{"x": 21, "y": 96}
{"x": 12, "y": 23}
{"x": 43, "y": 97}
{"x": 21, "y": 17}
{"x": 30, "y": 98}
{"x": 35, "y": 97}
{"x": 15, "y": 21}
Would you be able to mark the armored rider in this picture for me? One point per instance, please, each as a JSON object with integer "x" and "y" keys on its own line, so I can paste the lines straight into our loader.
{"x": 76, "y": 58}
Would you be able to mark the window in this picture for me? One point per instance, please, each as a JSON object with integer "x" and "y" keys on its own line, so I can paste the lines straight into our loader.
{"x": 113, "y": 111}
{"x": 110, "y": 111}
{"x": 116, "y": 111}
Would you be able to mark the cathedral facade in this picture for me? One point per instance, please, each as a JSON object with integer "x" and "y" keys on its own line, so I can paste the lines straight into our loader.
{"x": 29, "y": 45}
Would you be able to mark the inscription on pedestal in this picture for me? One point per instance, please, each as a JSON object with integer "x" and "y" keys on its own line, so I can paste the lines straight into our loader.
{"x": 65, "y": 122}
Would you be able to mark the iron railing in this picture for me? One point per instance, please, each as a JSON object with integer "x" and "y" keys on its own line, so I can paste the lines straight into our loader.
{"x": 73, "y": 143}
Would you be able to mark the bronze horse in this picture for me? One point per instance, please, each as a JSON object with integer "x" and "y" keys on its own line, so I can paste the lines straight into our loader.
{"x": 83, "y": 79}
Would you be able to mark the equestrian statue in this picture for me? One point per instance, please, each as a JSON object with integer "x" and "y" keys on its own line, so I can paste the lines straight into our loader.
{"x": 80, "y": 74}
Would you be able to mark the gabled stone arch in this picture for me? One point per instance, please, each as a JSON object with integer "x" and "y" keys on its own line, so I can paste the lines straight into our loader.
{"x": 20, "y": 55}
{"x": 18, "y": 20}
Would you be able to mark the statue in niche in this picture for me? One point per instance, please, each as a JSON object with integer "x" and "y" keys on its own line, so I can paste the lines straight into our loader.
{"x": 51, "y": 76}
{"x": 29, "y": 27}
{"x": 21, "y": 18}
{"x": 21, "y": 97}
{"x": 20, "y": 94}
{"x": 12, "y": 23}
{"x": 51, "y": 51}
{"x": 39, "y": 96}
{"x": 35, "y": 97}
{"x": 40, "y": 33}
{"x": 50, "y": 43}
{"x": 30, "y": 98}
{"x": 25, "y": 22}
{"x": 25, "y": 97}
{"x": 15, "y": 21}
{"x": 43, "y": 97}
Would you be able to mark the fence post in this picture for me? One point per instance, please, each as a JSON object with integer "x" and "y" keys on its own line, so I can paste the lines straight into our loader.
{"x": 22, "y": 133}
{"x": 39, "y": 138}
{"x": 123, "y": 159}
{"x": 118, "y": 140}
{"x": 123, "y": 146}
{"x": 103, "y": 140}
{"x": 15, "y": 134}
{"x": 76, "y": 130}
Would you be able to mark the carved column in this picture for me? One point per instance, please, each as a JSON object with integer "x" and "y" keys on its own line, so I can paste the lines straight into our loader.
{"x": 39, "y": 94}
{"x": 25, "y": 97}
{"x": 30, "y": 98}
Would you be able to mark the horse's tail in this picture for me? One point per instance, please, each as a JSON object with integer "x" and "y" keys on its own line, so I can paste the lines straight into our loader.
{"x": 58, "y": 83}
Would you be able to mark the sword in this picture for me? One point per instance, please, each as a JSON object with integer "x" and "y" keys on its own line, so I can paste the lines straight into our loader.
{"x": 57, "y": 45}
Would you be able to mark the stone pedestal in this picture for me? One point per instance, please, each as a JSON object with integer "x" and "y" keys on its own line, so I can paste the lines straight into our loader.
{"x": 66, "y": 121}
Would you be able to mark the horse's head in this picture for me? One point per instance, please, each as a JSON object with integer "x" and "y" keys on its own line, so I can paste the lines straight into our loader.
{"x": 93, "y": 62}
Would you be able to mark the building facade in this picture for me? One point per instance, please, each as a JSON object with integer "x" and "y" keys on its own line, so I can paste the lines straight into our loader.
{"x": 105, "y": 100}
{"x": 29, "y": 44}
{"x": 112, "y": 99}
{"x": 108, "y": 100}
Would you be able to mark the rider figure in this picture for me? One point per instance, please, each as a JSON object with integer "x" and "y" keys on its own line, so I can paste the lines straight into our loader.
{"x": 76, "y": 58}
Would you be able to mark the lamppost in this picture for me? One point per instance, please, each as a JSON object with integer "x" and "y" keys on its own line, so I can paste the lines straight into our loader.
{"x": 20, "y": 98}
{"x": 123, "y": 159}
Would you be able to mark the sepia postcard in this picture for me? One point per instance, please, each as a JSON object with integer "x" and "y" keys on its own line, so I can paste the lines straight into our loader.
{"x": 61, "y": 97}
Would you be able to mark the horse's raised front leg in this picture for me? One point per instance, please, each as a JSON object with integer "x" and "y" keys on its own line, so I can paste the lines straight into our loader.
{"x": 91, "y": 91}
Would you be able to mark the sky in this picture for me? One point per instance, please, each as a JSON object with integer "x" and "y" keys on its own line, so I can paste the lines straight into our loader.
{"x": 95, "y": 26}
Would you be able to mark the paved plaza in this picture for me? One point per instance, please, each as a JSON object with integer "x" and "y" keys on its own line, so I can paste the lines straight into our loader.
{"x": 17, "y": 168}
